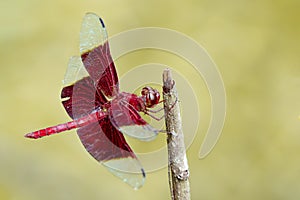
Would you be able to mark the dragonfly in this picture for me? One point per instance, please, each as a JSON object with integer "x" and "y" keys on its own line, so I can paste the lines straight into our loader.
{"x": 100, "y": 112}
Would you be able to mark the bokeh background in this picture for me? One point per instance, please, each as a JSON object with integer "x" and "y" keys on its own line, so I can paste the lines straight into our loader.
{"x": 256, "y": 47}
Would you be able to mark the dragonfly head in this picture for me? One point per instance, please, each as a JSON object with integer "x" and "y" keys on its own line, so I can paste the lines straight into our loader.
{"x": 150, "y": 96}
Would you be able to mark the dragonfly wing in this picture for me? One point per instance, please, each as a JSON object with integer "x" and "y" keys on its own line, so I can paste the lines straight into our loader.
{"x": 108, "y": 146}
{"x": 95, "y": 55}
{"x": 128, "y": 121}
{"x": 79, "y": 95}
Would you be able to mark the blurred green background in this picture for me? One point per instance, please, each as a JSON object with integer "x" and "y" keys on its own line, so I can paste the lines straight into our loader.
{"x": 256, "y": 47}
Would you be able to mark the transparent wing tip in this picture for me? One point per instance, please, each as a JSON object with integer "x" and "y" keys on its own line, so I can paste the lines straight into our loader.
{"x": 93, "y": 32}
{"x": 128, "y": 170}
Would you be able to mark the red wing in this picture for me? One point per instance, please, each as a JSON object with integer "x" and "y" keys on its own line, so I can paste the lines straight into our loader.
{"x": 127, "y": 120}
{"x": 79, "y": 95}
{"x": 108, "y": 146}
{"x": 95, "y": 55}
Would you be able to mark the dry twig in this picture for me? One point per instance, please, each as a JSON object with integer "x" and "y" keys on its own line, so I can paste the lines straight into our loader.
{"x": 178, "y": 166}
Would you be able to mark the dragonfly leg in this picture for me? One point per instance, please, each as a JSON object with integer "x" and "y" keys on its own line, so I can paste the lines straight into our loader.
{"x": 147, "y": 112}
{"x": 155, "y": 111}
{"x": 169, "y": 109}
{"x": 160, "y": 109}
{"x": 154, "y": 117}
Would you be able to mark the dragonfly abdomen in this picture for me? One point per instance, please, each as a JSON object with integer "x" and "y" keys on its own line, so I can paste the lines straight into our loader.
{"x": 83, "y": 121}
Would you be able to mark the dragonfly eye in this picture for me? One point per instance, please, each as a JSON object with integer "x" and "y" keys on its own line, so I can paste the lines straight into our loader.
{"x": 151, "y": 96}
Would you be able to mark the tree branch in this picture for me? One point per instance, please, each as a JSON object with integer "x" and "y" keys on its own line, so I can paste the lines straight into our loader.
{"x": 178, "y": 170}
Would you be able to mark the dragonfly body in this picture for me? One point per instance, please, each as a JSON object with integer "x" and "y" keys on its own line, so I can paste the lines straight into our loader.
{"x": 149, "y": 98}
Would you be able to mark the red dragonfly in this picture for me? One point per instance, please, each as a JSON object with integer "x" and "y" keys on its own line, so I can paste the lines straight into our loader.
{"x": 99, "y": 111}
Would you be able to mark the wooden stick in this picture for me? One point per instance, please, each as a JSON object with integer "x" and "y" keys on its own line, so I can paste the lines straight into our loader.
{"x": 178, "y": 170}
